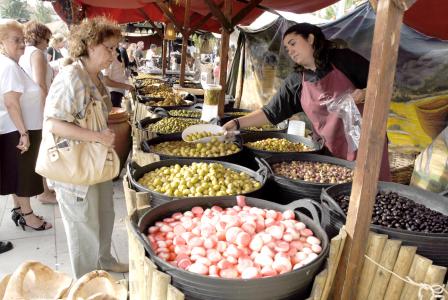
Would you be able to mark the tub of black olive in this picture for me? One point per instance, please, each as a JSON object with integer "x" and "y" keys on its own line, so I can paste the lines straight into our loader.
{"x": 414, "y": 216}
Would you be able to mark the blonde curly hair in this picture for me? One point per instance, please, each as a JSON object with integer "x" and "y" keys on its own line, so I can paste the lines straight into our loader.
{"x": 91, "y": 32}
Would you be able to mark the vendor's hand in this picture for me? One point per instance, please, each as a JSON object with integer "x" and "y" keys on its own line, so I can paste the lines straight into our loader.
{"x": 359, "y": 96}
{"x": 230, "y": 126}
{"x": 24, "y": 143}
{"x": 106, "y": 137}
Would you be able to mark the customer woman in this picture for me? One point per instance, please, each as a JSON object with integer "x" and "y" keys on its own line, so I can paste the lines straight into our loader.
{"x": 322, "y": 72}
{"x": 87, "y": 211}
{"x": 35, "y": 64}
{"x": 20, "y": 129}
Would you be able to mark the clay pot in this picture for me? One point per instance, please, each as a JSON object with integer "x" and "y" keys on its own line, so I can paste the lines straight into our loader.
{"x": 118, "y": 122}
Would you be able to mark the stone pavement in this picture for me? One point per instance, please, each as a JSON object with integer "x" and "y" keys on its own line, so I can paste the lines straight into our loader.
{"x": 50, "y": 246}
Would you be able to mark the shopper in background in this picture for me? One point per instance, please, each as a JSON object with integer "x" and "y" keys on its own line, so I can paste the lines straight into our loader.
{"x": 131, "y": 52}
{"x": 116, "y": 80}
{"x": 122, "y": 48}
{"x": 35, "y": 64}
{"x": 20, "y": 129}
{"x": 87, "y": 211}
{"x": 56, "y": 44}
{"x": 138, "y": 54}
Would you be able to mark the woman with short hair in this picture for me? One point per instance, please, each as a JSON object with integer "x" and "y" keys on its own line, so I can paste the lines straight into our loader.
{"x": 35, "y": 64}
{"x": 21, "y": 115}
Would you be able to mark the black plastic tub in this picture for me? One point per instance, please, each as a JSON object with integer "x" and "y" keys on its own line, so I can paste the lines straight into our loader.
{"x": 430, "y": 245}
{"x": 135, "y": 172}
{"x": 146, "y": 146}
{"x": 192, "y": 99}
{"x": 291, "y": 285}
{"x": 144, "y": 123}
{"x": 257, "y": 136}
{"x": 292, "y": 189}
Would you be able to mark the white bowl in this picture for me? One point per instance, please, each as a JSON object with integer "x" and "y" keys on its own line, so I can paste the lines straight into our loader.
{"x": 215, "y": 129}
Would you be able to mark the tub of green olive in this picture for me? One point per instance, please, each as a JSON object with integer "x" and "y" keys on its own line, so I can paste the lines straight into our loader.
{"x": 174, "y": 179}
{"x": 167, "y": 125}
{"x": 267, "y": 144}
{"x": 171, "y": 147}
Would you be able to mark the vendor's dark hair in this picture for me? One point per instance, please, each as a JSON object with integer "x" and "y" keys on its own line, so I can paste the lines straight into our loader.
{"x": 321, "y": 45}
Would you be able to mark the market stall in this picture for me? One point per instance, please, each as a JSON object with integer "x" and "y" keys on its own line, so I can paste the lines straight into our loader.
{"x": 165, "y": 214}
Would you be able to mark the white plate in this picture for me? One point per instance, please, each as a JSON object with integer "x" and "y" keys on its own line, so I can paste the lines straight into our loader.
{"x": 201, "y": 128}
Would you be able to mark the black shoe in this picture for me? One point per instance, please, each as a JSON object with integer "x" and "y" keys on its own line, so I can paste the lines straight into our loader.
{"x": 5, "y": 246}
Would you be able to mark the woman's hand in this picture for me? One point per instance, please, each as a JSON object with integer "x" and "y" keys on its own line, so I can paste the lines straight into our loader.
{"x": 106, "y": 137}
{"x": 230, "y": 126}
{"x": 359, "y": 96}
{"x": 24, "y": 143}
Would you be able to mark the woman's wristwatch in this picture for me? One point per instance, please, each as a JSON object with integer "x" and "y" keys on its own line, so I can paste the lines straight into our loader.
{"x": 24, "y": 133}
{"x": 237, "y": 123}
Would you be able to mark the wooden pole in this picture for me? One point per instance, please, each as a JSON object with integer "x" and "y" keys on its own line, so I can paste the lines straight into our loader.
{"x": 379, "y": 91}
{"x": 224, "y": 55}
{"x": 185, "y": 36}
{"x": 164, "y": 58}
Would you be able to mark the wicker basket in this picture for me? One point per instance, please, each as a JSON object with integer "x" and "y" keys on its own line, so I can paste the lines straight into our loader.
{"x": 401, "y": 166}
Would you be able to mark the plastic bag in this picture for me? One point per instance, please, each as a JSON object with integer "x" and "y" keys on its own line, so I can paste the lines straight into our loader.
{"x": 345, "y": 107}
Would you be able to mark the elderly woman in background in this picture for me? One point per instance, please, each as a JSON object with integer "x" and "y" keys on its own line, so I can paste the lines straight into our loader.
{"x": 20, "y": 129}
{"x": 35, "y": 64}
{"x": 87, "y": 211}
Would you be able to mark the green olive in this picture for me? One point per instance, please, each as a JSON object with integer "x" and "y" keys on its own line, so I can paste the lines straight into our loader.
{"x": 278, "y": 145}
{"x": 198, "y": 179}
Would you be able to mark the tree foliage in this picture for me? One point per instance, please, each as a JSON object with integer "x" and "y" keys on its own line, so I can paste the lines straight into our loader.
{"x": 42, "y": 13}
{"x": 15, "y": 9}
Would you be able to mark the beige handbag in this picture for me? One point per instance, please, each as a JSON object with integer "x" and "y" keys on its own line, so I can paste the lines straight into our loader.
{"x": 78, "y": 162}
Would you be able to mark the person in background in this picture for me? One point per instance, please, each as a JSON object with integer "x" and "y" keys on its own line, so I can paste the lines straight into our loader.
{"x": 320, "y": 69}
{"x": 123, "y": 46}
{"x": 35, "y": 64}
{"x": 20, "y": 129}
{"x": 131, "y": 51}
{"x": 138, "y": 54}
{"x": 87, "y": 211}
{"x": 116, "y": 80}
{"x": 150, "y": 54}
{"x": 216, "y": 69}
{"x": 56, "y": 44}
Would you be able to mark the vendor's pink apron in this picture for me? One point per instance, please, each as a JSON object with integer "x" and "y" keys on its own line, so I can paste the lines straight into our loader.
{"x": 328, "y": 125}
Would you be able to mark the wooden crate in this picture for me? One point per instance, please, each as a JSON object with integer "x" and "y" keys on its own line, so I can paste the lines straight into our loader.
{"x": 145, "y": 281}
{"x": 378, "y": 283}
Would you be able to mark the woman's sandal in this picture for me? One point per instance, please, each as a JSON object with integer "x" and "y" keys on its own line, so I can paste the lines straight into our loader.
{"x": 16, "y": 215}
{"x": 40, "y": 228}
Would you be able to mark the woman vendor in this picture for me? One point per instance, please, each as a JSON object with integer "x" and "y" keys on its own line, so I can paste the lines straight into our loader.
{"x": 322, "y": 72}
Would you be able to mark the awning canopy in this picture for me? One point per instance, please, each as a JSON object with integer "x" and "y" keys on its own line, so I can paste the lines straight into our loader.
{"x": 426, "y": 16}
